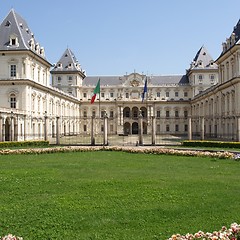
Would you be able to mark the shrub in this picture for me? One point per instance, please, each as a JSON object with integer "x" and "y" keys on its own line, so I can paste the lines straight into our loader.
{"x": 218, "y": 144}
{"x": 24, "y": 144}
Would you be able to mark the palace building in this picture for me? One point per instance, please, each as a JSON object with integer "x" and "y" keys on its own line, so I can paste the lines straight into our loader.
{"x": 203, "y": 103}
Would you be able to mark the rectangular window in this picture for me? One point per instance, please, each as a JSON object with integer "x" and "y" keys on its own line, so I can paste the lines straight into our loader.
{"x": 13, "y": 71}
{"x": 167, "y": 128}
{"x": 84, "y": 95}
{"x": 185, "y": 94}
{"x": 212, "y": 76}
{"x": 127, "y": 95}
{"x": 111, "y": 128}
{"x": 176, "y": 94}
{"x": 176, "y": 128}
{"x": 185, "y": 113}
{"x": 84, "y": 128}
{"x": 13, "y": 102}
{"x": 85, "y": 114}
{"x": 158, "y": 94}
{"x": 102, "y": 114}
{"x": 33, "y": 73}
{"x": 93, "y": 113}
{"x": 158, "y": 114}
{"x": 185, "y": 127}
{"x": 102, "y": 128}
{"x": 158, "y": 128}
{"x": 167, "y": 94}
{"x": 13, "y": 41}
{"x": 102, "y": 94}
{"x": 167, "y": 114}
{"x": 176, "y": 114}
{"x": 111, "y": 114}
{"x": 111, "y": 95}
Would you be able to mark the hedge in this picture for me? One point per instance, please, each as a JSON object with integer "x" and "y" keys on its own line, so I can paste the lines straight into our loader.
{"x": 24, "y": 144}
{"x": 217, "y": 144}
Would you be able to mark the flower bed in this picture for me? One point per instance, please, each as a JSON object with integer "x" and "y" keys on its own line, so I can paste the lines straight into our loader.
{"x": 146, "y": 150}
{"x": 233, "y": 233}
{"x": 11, "y": 237}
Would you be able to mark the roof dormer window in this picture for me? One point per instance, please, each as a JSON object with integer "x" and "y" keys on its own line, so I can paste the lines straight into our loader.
{"x": 7, "y": 24}
{"x": 13, "y": 40}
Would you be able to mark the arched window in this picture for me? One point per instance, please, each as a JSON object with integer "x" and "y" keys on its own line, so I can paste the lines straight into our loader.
{"x": 13, "y": 100}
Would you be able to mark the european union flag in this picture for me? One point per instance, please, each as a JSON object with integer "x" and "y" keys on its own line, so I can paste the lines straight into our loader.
{"x": 145, "y": 89}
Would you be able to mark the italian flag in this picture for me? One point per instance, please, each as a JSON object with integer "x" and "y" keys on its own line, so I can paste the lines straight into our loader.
{"x": 96, "y": 90}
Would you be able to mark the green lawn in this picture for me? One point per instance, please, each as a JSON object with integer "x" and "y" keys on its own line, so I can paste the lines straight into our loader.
{"x": 116, "y": 195}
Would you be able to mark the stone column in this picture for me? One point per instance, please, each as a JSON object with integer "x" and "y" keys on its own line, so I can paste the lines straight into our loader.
{"x": 119, "y": 115}
{"x": 202, "y": 128}
{"x": 45, "y": 127}
{"x": 105, "y": 130}
{"x": 153, "y": 130}
{"x": 189, "y": 128}
{"x": 16, "y": 129}
{"x": 92, "y": 131}
{"x": 140, "y": 129}
{"x": 24, "y": 128}
{"x": 149, "y": 113}
{"x": 12, "y": 129}
{"x": 238, "y": 129}
{"x": 57, "y": 131}
{"x": 1, "y": 128}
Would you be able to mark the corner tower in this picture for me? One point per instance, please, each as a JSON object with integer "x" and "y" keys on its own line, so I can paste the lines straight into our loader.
{"x": 21, "y": 56}
{"x": 203, "y": 72}
{"x": 67, "y": 74}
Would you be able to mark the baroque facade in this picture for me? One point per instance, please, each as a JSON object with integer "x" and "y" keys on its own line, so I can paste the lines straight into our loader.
{"x": 202, "y": 102}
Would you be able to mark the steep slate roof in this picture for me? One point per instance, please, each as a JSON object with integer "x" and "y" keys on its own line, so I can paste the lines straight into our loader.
{"x": 15, "y": 25}
{"x": 236, "y": 31}
{"x": 202, "y": 60}
{"x": 174, "y": 79}
{"x": 119, "y": 80}
{"x": 104, "y": 80}
{"x": 68, "y": 62}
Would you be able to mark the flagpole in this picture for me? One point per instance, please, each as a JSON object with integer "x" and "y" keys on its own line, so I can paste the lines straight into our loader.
{"x": 99, "y": 100}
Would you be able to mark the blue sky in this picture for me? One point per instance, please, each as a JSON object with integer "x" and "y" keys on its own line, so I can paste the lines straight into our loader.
{"x": 115, "y": 37}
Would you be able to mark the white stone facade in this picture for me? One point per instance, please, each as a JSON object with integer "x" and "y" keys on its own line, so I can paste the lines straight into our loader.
{"x": 204, "y": 101}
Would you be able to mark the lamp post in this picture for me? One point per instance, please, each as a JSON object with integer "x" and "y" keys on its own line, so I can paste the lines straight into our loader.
{"x": 140, "y": 128}
{"x": 105, "y": 139}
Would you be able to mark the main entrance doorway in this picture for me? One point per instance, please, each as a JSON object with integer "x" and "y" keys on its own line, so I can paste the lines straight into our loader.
{"x": 135, "y": 128}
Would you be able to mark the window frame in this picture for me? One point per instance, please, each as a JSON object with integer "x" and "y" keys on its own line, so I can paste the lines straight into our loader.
{"x": 13, "y": 70}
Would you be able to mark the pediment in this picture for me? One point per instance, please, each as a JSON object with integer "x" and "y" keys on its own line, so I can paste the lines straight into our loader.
{"x": 134, "y": 80}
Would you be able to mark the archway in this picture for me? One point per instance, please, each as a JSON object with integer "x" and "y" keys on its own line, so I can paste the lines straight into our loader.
{"x": 7, "y": 130}
{"x": 126, "y": 112}
{"x": 127, "y": 128}
{"x": 135, "y": 128}
{"x": 135, "y": 112}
